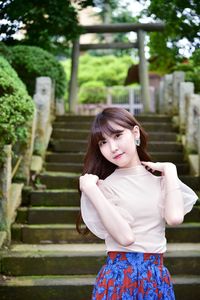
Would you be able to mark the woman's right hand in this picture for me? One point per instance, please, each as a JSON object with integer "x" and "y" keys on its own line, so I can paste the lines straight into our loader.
{"x": 87, "y": 181}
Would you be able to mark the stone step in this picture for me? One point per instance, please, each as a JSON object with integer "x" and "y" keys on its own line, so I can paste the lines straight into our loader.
{"x": 79, "y": 145}
{"x": 47, "y": 215}
{"x": 182, "y": 168}
{"x": 140, "y": 118}
{"x": 78, "y": 287}
{"x": 78, "y": 157}
{"x": 68, "y": 215}
{"x": 65, "y": 157}
{"x": 61, "y": 180}
{"x": 63, "y": 167}
{"x": 83, "y": 135}
{"x": 66, "y": 233}
{"x": 148, "y": 126}
{"x": 55, "y": 197}
{"x": 29, "y": 261}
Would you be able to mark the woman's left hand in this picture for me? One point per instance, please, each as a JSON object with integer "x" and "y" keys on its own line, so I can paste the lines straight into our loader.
{"x": 158, "y": 166}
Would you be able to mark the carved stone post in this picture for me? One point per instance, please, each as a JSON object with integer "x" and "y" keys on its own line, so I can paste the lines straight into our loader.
{"x": 198, "y": 137}
{"x": 23, "y": 172}
{"x": 185, "y": 89}
{"x": 193, "y": 112}
{"x": 160, "y": 101}
{"x": 5, "y": 186}
{"x": 143, "y": 72}
{"x": 178, "y": 77}
{"x": 43, "y": 101}
{"x": 167, "y": 93}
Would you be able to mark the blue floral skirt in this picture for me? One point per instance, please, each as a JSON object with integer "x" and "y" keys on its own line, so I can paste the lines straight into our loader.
{"x": 133, "y": 275}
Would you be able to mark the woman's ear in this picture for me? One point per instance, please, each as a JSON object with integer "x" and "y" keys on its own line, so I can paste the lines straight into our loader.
{"x": 136, "y": 131}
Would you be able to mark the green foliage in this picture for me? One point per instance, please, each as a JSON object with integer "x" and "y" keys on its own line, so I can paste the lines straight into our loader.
{"x": 182, "y": 22}
{"x": 98, "y": 72}
{"x": 31, "y": 62}
{"x": 108, "y": 69}
{"x": 47, "y": 24}
{"x": 16, "y": 106}
{"x": 191, "y": 69}
{"x": 92, "y": 92}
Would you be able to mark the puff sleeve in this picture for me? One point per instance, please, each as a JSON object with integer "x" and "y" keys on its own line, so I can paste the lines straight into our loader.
{"x": 189, "y": 196}
{"x": 91, "y": 218}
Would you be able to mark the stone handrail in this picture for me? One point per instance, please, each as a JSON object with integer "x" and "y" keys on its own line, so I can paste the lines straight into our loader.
{"x": 40, "y": 128}
{"x": 177, "y": 98}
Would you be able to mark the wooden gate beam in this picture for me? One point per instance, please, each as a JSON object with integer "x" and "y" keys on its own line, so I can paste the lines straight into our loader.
{"x": 84, "y": 47}
{"x": 124, "y": 27}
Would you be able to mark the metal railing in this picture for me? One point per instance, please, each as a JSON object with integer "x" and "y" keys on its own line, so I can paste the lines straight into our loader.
{"x": 96, "y": 98}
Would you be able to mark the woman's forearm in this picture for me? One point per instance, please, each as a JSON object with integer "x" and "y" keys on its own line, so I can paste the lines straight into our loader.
{"x": 174, "y": 209}
{"x": 115, "y": 224}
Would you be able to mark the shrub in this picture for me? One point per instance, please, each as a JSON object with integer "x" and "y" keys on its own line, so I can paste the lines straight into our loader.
{"x": 92, "y": 92}
{"x": 96, "y": 72}
{"x": 108, "y": 69}
{"x": 31, "y": 62}
{"x": 16, "y": 106}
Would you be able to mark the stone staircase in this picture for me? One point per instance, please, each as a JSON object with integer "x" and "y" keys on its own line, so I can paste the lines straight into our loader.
{"x": 49, "y": 260}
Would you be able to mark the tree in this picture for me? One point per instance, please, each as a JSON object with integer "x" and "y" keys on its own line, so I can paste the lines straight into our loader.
{"x": 182, "y": 27}
{"x": 49, "y": 24}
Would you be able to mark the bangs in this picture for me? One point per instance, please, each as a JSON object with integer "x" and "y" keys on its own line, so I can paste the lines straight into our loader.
{"x": 103, "y": 127}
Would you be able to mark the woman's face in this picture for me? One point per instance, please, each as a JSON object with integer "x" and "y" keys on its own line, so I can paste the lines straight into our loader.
{"x": 119, "y": 148}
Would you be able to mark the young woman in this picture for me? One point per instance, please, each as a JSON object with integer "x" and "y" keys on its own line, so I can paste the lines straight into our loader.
{"x": 124, "y": 203}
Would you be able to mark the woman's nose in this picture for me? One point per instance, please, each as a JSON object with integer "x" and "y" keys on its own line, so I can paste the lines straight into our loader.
{"x": 113, "y": 146}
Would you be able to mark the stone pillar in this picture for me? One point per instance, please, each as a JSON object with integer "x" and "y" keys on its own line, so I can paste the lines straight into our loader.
{"x": 185, "y": 89}
{"x": 198, "y": 136}
{"x": 5, "y": 186}
{"x": 60, "y": 107}
{"x": 193, "y": 113}
{"x": 74, "y": 75}
{"x": 43, "y": 101}
{"x": 143, "y": 72}
{"x": 160, "y": 99}
{"x": 178, "y": 77}
{"x": 167, "y": 93}
{"x": 23, "y": 172}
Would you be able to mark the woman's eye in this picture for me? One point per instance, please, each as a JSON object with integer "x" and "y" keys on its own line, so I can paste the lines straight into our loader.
{"x": 117, "y": 135}
{"x": 101, "y": 143}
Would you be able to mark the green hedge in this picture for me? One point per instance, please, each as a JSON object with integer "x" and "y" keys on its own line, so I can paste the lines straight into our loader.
{"x": 108, "y": 69}
{"x": 31, "y": 62}
{"x": 16, "y": 106}
{"x": 92, "y": 92}
{"x": 96, "y": 72}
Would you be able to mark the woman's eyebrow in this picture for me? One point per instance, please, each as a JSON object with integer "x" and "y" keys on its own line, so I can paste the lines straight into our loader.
{"x": 111, "y": 133}
{"x": 117, "y": 131}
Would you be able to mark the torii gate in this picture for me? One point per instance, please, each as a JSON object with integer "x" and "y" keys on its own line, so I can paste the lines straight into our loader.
{"x": 140, "y": 28}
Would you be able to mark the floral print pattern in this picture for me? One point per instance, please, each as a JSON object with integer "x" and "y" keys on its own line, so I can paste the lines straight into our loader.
{"x": 133, "y": 275}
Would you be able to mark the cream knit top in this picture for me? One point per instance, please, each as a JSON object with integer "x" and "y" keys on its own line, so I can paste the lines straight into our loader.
{"x": 139, "y": 197}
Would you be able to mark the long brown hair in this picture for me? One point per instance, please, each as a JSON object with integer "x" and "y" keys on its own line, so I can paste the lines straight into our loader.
{"x": 94, "y": 161}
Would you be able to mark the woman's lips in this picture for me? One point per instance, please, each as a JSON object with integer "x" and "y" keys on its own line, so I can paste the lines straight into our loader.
{"x": 118, "y": 156}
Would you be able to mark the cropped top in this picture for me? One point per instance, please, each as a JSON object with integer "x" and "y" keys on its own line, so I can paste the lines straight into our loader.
{"x": 139, "y": 196}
